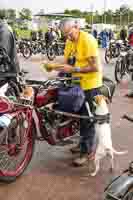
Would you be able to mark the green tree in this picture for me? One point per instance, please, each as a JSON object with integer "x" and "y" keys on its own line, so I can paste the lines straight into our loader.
{"x": 123, "y": 15}
{"x": 74, "y": 12}
{"x": 3, "y": 13}
{"x": 97, "y": 18}
{"x": 11, "y": 14}
{"x": 67, "y": 11}
{"x": 85, "y": 13}
{"x": 88, "y": 19}
{"x": 25, "y": 13}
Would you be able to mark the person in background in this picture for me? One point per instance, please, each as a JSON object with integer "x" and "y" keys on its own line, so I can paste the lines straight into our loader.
{"x": 111, "y": 34}
{"x": 130, "y": 37}
{"x": 33, "y": 35}
{"x": 104, "y": 38}
{"x": 50, "y": 36}
{"x": 40, "y": 34}
{"x": 130, "y": 41}
{"x": 58, "y": 32}
{"x": 7, "y": 42}
{"x": 123, "y": 34}
{"x": 95, "y": 34}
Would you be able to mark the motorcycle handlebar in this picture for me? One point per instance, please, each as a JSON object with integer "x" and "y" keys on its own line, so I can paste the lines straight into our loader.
{"x": 129, "y": 118}
{"x": 67, "y": 79}
{"x": 30, "y": 81}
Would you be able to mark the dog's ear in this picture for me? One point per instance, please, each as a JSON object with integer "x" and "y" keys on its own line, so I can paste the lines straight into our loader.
{"x": 99, "y": 98}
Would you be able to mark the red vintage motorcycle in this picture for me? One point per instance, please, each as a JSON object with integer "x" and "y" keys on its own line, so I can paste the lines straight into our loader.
{"x": 24, "y": 119}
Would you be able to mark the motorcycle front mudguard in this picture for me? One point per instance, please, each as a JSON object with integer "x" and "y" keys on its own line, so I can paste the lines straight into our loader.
{"x": 118, "y": 188}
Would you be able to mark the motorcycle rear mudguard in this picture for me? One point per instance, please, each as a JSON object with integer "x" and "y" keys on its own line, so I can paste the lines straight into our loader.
{"x": 119, "y": 187}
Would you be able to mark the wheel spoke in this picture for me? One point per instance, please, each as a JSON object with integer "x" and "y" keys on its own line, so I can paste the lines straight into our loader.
{"x": 7, "y": 162}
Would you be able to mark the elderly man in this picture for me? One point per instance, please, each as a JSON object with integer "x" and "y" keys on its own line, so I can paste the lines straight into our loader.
{"x": 82, "y": 60}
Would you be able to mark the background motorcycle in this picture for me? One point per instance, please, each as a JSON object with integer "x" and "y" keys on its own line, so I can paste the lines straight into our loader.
{"x": 121, "y": 188}
{"x": 124, "y": 63}
{"x": 24, "y": 47}
{"x": 56, "y": 48}
{"x": 113, "y": 50}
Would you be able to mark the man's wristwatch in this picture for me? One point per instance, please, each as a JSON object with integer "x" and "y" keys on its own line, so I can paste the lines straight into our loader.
{"x": 76, "y": 69}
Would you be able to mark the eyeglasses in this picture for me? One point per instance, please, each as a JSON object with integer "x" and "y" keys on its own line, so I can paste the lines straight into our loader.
{"x": 68, "y": 34}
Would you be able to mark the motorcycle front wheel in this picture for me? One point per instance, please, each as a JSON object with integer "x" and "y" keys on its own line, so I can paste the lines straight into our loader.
{"x": 51, "y": 53}
{"x": 27, "y": 52}
{"x": 107, "y": 56}
{"x": 120, "y": 70}
{"x": 16, "y": 152}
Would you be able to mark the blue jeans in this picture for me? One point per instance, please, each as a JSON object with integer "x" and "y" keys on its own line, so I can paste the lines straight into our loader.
{"x": 87, "y": 129}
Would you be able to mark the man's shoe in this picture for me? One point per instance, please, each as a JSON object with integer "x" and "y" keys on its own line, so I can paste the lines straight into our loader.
{"x": 81, "y": 161}
{"x": 75, "y": 149}
{"x": 84, "y": 159}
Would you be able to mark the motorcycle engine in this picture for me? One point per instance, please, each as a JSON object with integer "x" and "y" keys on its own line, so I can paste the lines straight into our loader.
{"x": 58, "y": 127}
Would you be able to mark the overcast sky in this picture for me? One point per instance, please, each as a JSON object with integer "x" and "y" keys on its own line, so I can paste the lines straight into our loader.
{"x": 61, "y": 5}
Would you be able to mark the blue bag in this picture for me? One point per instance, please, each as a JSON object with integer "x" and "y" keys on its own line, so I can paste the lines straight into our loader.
{"x": 70, "y": 99}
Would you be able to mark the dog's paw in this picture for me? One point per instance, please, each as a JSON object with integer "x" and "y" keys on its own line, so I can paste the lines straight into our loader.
{"x": 93, "y": 174}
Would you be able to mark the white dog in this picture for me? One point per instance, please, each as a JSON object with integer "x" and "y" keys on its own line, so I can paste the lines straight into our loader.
{"x": 103, "y": 134}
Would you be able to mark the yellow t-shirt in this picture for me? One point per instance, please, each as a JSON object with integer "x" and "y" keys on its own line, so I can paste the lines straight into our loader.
{"x": 83, "y": 49}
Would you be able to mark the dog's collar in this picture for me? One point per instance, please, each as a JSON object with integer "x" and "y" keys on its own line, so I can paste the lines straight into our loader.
{"x": 100, "y": 119}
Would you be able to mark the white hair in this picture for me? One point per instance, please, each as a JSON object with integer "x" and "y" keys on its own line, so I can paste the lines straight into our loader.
{"x": 68, "y": 22}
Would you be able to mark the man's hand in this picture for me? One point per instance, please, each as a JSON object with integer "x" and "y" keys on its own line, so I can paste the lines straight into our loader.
{"x": 68, "y": 68}
{"x": 58, "y": 67}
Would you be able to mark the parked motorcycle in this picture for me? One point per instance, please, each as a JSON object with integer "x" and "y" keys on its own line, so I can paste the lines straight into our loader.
{"x": 124, "y": 63}
{"x": 26, "y": 118}
{"x": 23, "y": 47}
{"x": 38, "y": 46}
{"x": 29, "y": 112}
{"x": 28, "y": 48}
{"x": 113, "y": 50}
{"x": 56, "y": 48}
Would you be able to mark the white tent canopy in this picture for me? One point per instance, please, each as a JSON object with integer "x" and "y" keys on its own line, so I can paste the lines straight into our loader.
{"x": 100, "y": 27}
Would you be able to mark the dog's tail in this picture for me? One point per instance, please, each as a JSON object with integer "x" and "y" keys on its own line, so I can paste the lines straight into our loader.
{"x": 119, "y": 152}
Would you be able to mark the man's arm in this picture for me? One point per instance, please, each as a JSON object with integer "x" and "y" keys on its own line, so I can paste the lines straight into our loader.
{"x": 93, "y": 65}
{"x": 7, "y": 42}
{"x": 91, "y": 54}
{"x": 4, "y": 38}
